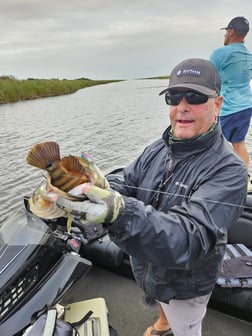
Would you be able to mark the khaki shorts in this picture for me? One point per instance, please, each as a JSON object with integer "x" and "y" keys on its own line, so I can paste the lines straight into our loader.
{"x": 185, "y": 316}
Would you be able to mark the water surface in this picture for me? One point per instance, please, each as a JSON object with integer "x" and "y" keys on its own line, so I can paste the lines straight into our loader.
{"x": 111, "y": 122}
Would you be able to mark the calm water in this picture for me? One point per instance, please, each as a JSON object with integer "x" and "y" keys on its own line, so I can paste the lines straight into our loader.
{"x": 111, "y": 122}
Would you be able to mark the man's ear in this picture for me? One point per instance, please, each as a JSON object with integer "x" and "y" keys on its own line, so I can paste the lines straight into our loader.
{"x": 218, "y": 103}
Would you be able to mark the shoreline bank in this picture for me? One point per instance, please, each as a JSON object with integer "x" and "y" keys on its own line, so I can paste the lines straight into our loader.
{"x": 13, "y": 90}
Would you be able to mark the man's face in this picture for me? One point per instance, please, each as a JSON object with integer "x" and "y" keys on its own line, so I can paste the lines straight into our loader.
{"x": 227, "y": 36}
{"x": 189, "y": 121}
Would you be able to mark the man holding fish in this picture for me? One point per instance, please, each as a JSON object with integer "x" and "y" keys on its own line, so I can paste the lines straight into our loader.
{"x": 173, "y": 206}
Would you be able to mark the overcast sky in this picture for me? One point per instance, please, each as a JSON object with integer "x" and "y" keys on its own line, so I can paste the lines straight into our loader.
{"x": 110, "y": 39}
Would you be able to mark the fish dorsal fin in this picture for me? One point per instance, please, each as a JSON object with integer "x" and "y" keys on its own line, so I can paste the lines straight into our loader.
{"x": 42, "y": 154}
{"x": 72, "y": 164}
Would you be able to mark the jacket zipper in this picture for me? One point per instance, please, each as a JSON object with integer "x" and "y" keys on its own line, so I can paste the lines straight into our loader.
{"x": 156, "y": 202}
{"x": 166, "y": 178}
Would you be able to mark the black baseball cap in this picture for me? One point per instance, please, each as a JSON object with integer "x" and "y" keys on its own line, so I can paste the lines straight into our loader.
{"x": 239, "y": 23}
{"x": 197, "y": 74}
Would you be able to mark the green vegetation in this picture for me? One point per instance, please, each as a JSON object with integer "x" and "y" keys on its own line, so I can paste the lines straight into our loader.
{"x": 13, "y": 90}
{"x": 159, "y": 77}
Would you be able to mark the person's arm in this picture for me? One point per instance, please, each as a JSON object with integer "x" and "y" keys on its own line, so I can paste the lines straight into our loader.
{"x": 177, "y": 238}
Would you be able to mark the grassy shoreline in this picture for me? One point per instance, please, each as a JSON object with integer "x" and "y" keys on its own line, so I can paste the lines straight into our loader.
{"x": 13, "y": 90}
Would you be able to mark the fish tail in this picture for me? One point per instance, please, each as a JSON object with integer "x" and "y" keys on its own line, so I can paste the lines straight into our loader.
{"x": 41, "y": 155}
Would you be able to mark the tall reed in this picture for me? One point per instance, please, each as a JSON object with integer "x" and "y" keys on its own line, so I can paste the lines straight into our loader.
{"x": 13, "y": 90}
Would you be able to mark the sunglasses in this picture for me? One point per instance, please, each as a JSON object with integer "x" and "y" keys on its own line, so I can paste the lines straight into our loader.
{"x": 192, "y": 98}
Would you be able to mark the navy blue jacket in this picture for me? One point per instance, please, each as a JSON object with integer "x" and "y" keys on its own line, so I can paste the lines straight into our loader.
{"x": 180, "y": 199}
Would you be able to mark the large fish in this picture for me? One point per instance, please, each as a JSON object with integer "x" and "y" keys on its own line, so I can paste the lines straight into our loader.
{"x": 64, "y": 174}
{"x": 67, "y": 172}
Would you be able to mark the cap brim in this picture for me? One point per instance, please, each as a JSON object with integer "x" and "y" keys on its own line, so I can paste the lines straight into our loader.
{"x": 245, "y": 30}
{"x": 195, "y": 87}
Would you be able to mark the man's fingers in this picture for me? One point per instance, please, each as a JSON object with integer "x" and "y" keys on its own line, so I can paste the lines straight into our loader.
{"x": 94, "y": 193}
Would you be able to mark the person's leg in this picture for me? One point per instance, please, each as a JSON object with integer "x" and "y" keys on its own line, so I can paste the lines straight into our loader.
{"x": 162, "y": 324}
{"x": 241, "y": 150}
{"x": 235, "y": 128}
{"x": 185, "y": 316}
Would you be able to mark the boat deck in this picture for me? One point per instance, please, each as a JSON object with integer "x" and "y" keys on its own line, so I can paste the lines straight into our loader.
{"x": 128, "y": 312}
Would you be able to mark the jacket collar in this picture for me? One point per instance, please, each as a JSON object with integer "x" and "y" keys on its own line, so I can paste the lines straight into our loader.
{"x": 195, "y": 144}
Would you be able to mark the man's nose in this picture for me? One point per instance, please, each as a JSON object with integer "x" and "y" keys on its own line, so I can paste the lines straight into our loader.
{"x": 183, "y": 104}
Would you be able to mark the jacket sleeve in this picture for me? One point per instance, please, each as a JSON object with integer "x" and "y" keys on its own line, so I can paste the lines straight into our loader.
{"x": 185, "y": 233}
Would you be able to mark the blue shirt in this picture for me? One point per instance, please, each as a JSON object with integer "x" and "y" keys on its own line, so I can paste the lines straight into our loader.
{"x": 234, "y": 65}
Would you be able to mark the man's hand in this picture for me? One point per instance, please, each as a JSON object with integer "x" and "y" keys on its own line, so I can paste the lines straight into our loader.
{"x": 103, "y": 206}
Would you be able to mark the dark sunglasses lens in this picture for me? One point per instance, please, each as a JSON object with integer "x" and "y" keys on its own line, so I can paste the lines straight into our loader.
{"x": 192, "y": 98}
{"x": 196, "y": 98}
{"x": 174, "y": 98}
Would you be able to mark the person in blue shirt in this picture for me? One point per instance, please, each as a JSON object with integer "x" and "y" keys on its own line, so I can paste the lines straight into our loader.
{"x": 233, "y": 62}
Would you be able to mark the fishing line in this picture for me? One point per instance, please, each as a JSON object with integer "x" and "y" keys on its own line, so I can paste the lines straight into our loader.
{"x": 170, "y": 193}
{"x": 180, "y": 195}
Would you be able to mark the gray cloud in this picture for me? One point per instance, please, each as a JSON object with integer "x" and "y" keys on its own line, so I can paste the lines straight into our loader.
{"x": 109, "y": 39}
